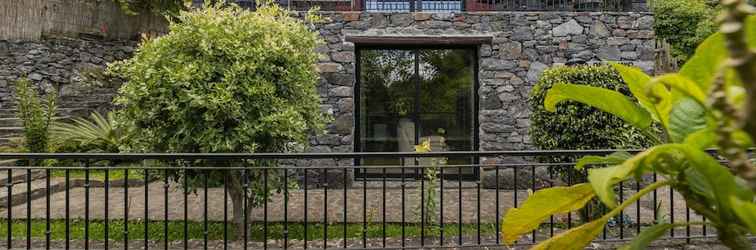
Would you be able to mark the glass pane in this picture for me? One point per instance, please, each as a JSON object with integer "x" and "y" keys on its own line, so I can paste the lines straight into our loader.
{"x": 401, "y": 105}
{"x": 387, "y": 93}
{"x": 446, "y": 100}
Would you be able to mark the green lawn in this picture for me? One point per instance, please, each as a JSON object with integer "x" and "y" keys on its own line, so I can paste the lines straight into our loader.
{"x": 215, "y": 230}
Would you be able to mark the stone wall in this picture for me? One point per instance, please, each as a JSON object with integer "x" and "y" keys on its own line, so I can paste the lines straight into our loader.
{"x": 524, "y": 44}
{"x": 72, "y": 67}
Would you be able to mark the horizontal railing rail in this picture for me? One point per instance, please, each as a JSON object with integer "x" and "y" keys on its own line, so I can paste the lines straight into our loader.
{"x": 302, "y": 200}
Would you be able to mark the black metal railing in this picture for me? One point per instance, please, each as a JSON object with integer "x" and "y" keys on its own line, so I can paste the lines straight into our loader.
{"x": 324, "y": 200}
{"x": 461, "y": 5}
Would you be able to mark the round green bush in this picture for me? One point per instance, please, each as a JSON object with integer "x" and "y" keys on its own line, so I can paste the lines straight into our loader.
{"x": 223, "y": 80}
{"x": 575, "y": 125}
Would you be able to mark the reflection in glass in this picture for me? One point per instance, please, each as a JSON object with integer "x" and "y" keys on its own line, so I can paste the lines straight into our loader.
{"x": 409, "y": 96}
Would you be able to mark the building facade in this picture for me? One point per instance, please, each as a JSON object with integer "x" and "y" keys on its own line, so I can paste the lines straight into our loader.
{"x": 396, "y": 73}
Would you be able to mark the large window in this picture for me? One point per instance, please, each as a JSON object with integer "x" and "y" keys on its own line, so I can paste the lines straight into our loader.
{"x": 407, "y": 96}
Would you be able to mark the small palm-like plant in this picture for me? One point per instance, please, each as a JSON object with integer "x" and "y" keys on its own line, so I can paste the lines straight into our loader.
{"x": 96, "y": 134}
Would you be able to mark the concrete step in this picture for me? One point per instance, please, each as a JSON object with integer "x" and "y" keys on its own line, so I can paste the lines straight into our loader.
{"x": 39, "y": 187}
{"x": 10, "y": 140}
{"x": 11, "y": 130}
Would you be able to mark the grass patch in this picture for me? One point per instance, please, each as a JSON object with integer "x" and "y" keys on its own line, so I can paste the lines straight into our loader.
{"x": 215, "y": 230}
{"x": 99, "y": 174}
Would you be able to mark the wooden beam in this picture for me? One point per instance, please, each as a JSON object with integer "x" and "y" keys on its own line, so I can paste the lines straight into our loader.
{"x": 419, "y": 40}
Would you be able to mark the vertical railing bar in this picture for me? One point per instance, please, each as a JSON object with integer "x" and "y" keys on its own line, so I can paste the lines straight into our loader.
{"x": 654, "y": 197}
{"x": 225, "y": 209}
{"x": 671, "y": 211}
{"x": 384, "y": 207}
{"x": 621, "y": 222}
{"x": 146, "y": 208}
{"x": 106, "y": 221}
{"x": 47, "y": 211}
{"x": 422, "y": 206}
{"x": 533, "y": 187}
{"x": 68, "y": 208}
{"x": 569, "y": 183}
{"x": 459, "y": 214}
{"x": 9, "y": 185}
{"x": 265, "y": 208}
{"x": 477, "y": 183}
{"x": 245, "y": 206}
{"x": 551, "y": 217}
{"x": 637, "y": 209}
{"x": 304, "y": 211}
{"x": 86, "y": 204}
{"x": 704, "y": 225}
{"x": 204, "y": 212}
{"x": 286, "y": 207}
{"x": 498, "y": 213}
{"x": 186, "y": 207}
{"x": 345, "y": 207}
{"x": 165, "y": 209}
{"x": 441, "y": 207}
{"x": 325, "y": 208}
{"x": 28, "y": 207}
{"x": 364, "y": 208}
{"x": 125, "y": 208}
{"x": 687, "y": 226}
{"x": 403, "y": 185}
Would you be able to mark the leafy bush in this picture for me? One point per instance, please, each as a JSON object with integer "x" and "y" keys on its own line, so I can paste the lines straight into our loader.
{"x": 96, "y": 134}
{"x": 684, "y": 24}
{"x": 35, "y": 115}
{"x": 575, "y": 125}
{"x": 224, "y": 80}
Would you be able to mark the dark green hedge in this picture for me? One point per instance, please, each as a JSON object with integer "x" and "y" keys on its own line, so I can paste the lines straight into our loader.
{"x": 578, "y": 126}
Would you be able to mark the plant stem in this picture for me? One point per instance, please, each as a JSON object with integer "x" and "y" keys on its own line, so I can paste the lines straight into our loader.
{"x": 743, "y": 60}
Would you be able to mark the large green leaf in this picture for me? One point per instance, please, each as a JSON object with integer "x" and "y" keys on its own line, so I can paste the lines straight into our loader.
{"x": 681, "y": 84}
{"x": 711, "y": 55}
{"x": 611, "y": 159}
{"x": 642, "y": 240}
{"x": 637, "y": 81}
{"x": 746, "y": 211}
{"x": 542, "y": 204}
{"x": 606, "y": 100}
{"x": 686, "y": 117}
{"x": 604, "y": 179}
{"x": 708, "y": 59}
{"x": 708, "y": 177}
{"x": 751, "y": 30}
{"x": 574, "y": 239}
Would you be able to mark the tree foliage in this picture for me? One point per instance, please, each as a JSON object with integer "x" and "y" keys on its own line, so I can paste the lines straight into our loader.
{"x": 684, "y": 24}
{"x": 224, "y": 80}
{"x": 692, "y": 122}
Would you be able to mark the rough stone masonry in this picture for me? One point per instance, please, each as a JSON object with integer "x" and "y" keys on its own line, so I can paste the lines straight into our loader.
{"x": 524, "y": 44}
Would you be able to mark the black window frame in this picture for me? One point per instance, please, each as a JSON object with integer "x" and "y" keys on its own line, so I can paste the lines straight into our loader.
{"x": 415, "y": 174}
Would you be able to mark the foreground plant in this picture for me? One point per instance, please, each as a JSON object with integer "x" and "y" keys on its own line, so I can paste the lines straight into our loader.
{"x": 707, "y": 104}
